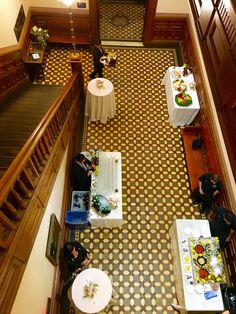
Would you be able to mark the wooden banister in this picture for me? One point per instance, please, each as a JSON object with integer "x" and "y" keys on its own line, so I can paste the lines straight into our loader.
{"x": 26, "y": 185}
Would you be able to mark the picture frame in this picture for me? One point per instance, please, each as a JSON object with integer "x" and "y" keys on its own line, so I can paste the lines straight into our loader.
{"x": 19, "y": 23}
{"x": 53, "y": 242}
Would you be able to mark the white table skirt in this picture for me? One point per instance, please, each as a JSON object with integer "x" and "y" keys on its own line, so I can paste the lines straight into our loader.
{"x": 190, "y": 301}
{"x": 178, "y": 115}
{"x": 103, "y": 294}
{"x": 109, "y": 184}
{"x": 100, "y": 104}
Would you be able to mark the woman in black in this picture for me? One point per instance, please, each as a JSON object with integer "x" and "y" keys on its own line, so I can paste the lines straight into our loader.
{"x": 76, "y": 257}
{"x": 82, "y": 169}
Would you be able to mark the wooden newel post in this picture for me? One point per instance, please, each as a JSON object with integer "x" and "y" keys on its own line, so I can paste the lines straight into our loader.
{"x": 75, "y": 61}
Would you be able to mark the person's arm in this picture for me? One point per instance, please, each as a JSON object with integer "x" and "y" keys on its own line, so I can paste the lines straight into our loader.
{"x": 200, "y": 187}
{"x": 229, "y": 236}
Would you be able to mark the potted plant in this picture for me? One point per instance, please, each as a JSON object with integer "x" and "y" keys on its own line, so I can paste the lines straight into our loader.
{"x": 41, "y": 35}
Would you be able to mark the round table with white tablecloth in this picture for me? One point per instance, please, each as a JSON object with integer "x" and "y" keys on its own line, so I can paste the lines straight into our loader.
{"x": 100, "y": 100}
{"x": 101, "y": 297}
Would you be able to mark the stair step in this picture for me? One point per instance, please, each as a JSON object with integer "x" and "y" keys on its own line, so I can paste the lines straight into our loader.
{"x": 20, "y": 114}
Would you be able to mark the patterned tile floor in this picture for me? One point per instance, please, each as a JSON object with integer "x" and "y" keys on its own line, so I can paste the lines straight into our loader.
{"x": 154, "y": 176}
{"x": 113, "y": 21}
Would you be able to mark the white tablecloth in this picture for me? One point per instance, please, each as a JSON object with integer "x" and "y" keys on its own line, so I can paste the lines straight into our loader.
{"x": 109, "y": 184}
{"x": 178, "y": 115}
{"x": 100, "y": 104}
{"x": 103, "y": 294}
{"x": 190, "y": 301}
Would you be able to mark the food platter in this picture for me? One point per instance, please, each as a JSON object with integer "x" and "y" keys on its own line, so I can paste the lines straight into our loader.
{"x": 176, "y": 74}
{"x": 206, "y": 260}
{"x": 183, "y": 99}
{"x": 180, "y": 85}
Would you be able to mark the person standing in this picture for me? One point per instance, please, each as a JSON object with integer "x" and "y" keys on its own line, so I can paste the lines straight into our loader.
{"x": 82, "y": 169}
{"x": 97, "y": 52}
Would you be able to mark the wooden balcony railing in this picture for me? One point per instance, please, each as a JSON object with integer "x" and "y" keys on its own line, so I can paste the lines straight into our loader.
{"x": 26, "y": 186}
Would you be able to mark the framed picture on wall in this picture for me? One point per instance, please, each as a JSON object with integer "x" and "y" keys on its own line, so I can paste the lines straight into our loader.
{"x": 53, "y": 243}
{"x": 19, "y": 23}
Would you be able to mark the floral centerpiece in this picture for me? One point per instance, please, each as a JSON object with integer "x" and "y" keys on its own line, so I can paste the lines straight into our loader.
{"x": 41, "y": 35}
{"x": 100, "y": 84}
{"x": 207, "y": 262}
{"x": 90, "y": 290}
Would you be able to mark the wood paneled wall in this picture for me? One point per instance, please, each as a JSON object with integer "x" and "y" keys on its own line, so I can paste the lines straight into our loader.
{"x": 216, "y": 25}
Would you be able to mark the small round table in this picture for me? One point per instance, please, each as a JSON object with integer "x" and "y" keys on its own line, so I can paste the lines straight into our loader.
{"x": 100, "y": 102}
{"x": 102, "y": 296}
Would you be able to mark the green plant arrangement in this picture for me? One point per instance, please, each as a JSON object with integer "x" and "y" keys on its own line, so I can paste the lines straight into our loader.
{"x": 41, "y": 35}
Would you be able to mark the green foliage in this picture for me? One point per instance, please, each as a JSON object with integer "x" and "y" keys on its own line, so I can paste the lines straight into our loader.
{"x": 41, "y": 35}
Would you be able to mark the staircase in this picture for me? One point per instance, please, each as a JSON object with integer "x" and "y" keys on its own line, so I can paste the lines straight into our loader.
{"x": 20, "y": 113}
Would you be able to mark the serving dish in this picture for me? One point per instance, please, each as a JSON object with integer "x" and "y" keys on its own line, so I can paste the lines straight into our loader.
{"x": 176, "y": 73}
{"x": 183, "y": 99}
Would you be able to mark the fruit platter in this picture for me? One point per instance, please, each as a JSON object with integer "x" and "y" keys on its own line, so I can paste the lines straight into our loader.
{"x": 183, "y": 99}
{"x": 207, "y": 261}
{"x": 180, "y": 85}
{"x": 176, "y": 73}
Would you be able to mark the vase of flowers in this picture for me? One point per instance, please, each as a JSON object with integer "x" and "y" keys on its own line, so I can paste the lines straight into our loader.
{"x": 40, "y": 34}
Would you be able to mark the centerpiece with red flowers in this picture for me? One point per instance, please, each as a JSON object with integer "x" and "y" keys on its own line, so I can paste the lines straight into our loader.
{"x": 207, "y": 262}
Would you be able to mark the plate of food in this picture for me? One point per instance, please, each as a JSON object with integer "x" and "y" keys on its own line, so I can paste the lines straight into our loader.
{"x": 188, "y": 268}
{"x": 180, "y": 85}
{"x": 183, "y": 99}
{"x": 176, "y": 73}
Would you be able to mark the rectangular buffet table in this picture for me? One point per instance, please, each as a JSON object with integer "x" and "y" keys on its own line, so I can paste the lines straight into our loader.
{"x": 180, "y": 115}
{"x": 190, "y": 299}
{"x": 108, "y": 182}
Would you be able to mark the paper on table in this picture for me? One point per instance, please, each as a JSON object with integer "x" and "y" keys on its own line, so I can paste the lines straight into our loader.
{"x": 35, "y": 56}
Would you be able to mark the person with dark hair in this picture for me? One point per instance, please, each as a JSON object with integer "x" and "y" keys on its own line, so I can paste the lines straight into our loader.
{"x": 97, "y": 53}
{"x": 209, "y": 185}
{"x": 223, "y": 225}
{"x": 82, "y": 169}
{"x": 76, "y": 257}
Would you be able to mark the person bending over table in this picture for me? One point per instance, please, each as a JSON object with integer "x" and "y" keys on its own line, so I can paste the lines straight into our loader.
{"x": 223, "y": 225}
{"x": 209, "y": 186}
{"x": 82, "y": 169}
{"x": 76, "y": 257}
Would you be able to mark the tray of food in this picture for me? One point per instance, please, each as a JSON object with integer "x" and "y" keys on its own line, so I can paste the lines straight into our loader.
{"x": 183, "y": 99}
{"x": 180, "y": 85}
{"x": 206, "y": 260}
{"x": 176, "y": 73}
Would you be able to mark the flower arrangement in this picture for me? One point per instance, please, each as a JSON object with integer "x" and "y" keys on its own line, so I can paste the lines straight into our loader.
{"x": 41, "y": 35}
{"x": 100, "y": 84}
{"x": 90, "y": 290}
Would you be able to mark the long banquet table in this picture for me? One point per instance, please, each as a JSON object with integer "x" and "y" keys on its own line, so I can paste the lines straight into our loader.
{"x": 190, "y": 301}
{"x": 178, "y": 115}
{"x": 108, "y": 183}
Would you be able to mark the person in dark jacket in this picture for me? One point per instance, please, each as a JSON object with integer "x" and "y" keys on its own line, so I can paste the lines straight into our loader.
{"x": 223, "y": 225}
{"x": 209, "y": 185}
{"x": 97, "y": 52}
{"x": 76, "y": 257}
{"x": 82, "y": 169}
